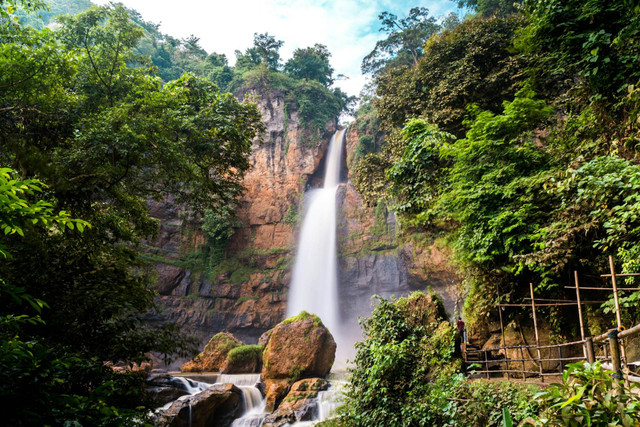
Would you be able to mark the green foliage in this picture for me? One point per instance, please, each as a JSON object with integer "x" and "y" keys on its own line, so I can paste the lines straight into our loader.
{"x": 405, "y": 374}
{"x": 245, "y": 353}
{"x": 292, "y": 217}
{"x": 369, "y": 177}
{"x": 489, "y": 8}
{"x": 418, "y": 176}
{"x": 404, "y": 350}
{"x": 16, "y": 212}
{"x": 79, "y": 113}
{"x": 62, "y": 388}
{"x": 488, "y": 401}
{"x": 303, "y": 315}
{"x": 472, "y": 64}
{"x": 587, "y": 396}
{"x": 46, "y": 16}
{"x": 403, "y": 45}
{"x": 596, "y": 40}
{"x": 311, "y": 63}
{"x": 222, "y": 342}
{"x": 218, "y": 226}
{"x": 264, "y": 51}
{"x": 316, "y": 104}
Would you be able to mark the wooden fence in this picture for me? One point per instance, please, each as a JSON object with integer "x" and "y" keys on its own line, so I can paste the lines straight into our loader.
{"x": 608, "y": 347}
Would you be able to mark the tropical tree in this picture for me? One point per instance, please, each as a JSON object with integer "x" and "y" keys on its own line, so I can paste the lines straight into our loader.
{"x": 264, "y": 51}
{"x": 311, "y": 63}
{"x": 404, "y": 41}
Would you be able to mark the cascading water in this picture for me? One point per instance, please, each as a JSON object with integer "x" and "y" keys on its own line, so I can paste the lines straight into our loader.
{"x": 314, "y": 283}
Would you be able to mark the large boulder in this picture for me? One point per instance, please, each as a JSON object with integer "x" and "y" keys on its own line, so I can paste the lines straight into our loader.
{"x": 162, "y": 389}
{"x": 297, "y": 348}
{"x": 214, "y": 355}
{"x": 216, "y": 406}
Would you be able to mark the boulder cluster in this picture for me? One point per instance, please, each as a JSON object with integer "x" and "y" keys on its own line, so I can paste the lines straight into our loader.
{"x": 293, "y": 358}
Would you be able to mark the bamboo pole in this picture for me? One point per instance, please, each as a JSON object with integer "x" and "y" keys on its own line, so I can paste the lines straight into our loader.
{"x": 615, "y": 291}
{"x": 630, "y": 332}
{"x": 523, "y": 365}
{"x": 588, "y": 345}
{"x": 575, "y": 276}
{"x": 535, "y": 327}
{"x": 614, "y": 284}
{"x": 560, "y": 359}
{"x": 486, "y": 363}
{"x": 577, "y": 282}
{"x": 615, "y": 358}
{"x": 504, "y": 343}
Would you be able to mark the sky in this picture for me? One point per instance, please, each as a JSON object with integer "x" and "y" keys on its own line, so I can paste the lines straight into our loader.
{"x": 349, "y": 28}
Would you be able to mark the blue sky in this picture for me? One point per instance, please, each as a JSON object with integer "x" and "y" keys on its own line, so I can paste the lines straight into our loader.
{"x": 349, "y": 28}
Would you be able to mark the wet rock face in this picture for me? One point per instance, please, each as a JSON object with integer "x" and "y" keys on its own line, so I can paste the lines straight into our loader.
{"x": 216, "y": 406}
{"x": 281, "y": 166}
{"x": 375, "y": 259}
{"x": 367, "y": 275}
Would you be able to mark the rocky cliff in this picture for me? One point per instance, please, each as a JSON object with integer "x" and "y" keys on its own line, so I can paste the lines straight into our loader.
{"x": 246, "y": 293}
{"x": 378, "y": 258}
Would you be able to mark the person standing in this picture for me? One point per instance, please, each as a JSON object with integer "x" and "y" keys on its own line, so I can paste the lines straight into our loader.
{"x": 462, "y": 332}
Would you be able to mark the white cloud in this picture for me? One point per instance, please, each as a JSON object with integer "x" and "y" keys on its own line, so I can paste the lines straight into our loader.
{"x": 349, "y": 28}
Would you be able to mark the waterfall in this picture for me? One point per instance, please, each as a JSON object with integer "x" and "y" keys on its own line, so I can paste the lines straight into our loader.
{"x": 239, "y": 379}
{"x": 314, "y": 283}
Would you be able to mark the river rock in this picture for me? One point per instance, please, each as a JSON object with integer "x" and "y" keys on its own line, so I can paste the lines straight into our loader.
{"x": 214, "y": 354}
{"x": 297, "y": 348}
{"x": 299, "y": 404}
{"x": 216, "y": 406}
{"x": 163, "y": 389}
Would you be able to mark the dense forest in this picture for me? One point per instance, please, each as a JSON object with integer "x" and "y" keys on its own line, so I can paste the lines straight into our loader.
{"x": 510, "y": 135}
{"x": 99, "y": 113}
{"x": 514, "y": 137}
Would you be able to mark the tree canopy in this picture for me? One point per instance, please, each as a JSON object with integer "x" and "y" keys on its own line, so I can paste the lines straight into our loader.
{"x": 404, "y": 41}
{"x": 311, "y": 63}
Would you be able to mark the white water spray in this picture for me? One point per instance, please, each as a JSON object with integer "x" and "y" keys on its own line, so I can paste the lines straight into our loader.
{"x": 314, "y": 284}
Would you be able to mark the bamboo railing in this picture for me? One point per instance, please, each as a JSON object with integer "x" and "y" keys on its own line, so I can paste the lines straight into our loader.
{"x": 610, "y": 345}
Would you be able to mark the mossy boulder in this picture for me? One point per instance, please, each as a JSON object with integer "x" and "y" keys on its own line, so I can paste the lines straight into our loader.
{"x": 214, "y": 355}
{"x": 297, "y": 348}
{"x": 245, "y": 359}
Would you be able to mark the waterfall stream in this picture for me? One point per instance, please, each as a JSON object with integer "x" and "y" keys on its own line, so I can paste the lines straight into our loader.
{"x": 314, "y": 283}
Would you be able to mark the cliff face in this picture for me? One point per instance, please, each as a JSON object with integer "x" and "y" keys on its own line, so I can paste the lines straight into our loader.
{"x": 376, "y": 259}
{"x": 246, "y": 294}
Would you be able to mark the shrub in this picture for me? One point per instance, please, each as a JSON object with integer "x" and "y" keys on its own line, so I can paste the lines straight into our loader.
{"x": 587, "y": 396}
